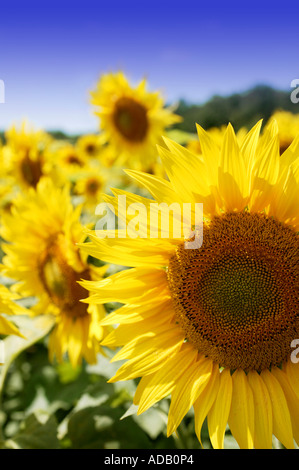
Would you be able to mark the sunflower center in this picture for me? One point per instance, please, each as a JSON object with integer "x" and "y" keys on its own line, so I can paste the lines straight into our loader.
{"x": 91, "y": 149}
{"x": 93, "y": 186}
{"x": 237, "y": 297}
{"x": 130, "y": 118}
{"x": 73, "y": 159}
{"x": 60, "y": 282}
{"x": 31, "y": 170}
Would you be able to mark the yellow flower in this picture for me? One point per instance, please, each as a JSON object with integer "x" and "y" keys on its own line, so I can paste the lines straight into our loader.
{"x": 67, "y": 162}
{"x": 213, "y": 326}
{"x": 90, "y": 145}
{"x": 90, "y": 185}
{"x": 132, "y": 119}
{"x": 288, "y": 124}
{"x": 42, "y": 233}
{"x": 25, "y": 155}
{"x": 67, "y": 158}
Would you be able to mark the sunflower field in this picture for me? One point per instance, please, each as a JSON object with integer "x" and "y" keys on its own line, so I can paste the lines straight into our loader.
{"x": 114, "y": 333}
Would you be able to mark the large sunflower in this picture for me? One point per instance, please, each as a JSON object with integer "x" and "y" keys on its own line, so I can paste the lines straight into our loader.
{"x": 214, "y": 326}
{"x": 41, "y": 253}
{"x": 132, "y": 120}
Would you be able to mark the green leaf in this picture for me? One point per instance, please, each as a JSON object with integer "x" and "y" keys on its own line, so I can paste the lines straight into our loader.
{"x": 100, "y": 427}
{"x": 33, "y": 330}
{"x": 38, "y": 431}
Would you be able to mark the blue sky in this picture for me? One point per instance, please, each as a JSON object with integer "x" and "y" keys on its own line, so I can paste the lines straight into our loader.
{"x": 52, "y": 52}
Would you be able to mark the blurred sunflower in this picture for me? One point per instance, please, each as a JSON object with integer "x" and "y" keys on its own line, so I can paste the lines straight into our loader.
{"x": 90, "y": 145}
{"x": 41, "y": 254}
{"x": 213, "y": 326}
{"x": 288, "y": 124}
{"x": 67, "y": 162}
{"x": 25, "y": 155}
{"x": 90, "y": 185}
{"x": 69, "y": 159}
{"x": 132, "y": 120}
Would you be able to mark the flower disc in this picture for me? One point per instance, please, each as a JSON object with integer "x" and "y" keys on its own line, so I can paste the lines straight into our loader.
{"x": 236, "y": 297}
{"x": 130, "y": 118}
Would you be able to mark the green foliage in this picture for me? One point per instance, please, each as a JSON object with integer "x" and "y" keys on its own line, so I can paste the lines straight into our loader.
{"x": 241, "y": 109}
{"x": 49, "y": 406}
{"x": 38, "y": 431}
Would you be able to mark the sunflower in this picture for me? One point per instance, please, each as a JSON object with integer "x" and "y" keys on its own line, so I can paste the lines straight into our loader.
{"x": 25, "y": 155}
{"x": 41, "y": 254}
{"x": 67, "y": 162}
{"x": 90, "y": 185}
{"x": 68, "y": 159}
{"x": 90, "y": 145}
{"x": 132, "y": 120}
{"x": 213, "y": 326}
{"x": 288, "y": 124}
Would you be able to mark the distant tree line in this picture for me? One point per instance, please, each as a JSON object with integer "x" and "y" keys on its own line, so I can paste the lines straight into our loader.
{"x": 241, "y": 109}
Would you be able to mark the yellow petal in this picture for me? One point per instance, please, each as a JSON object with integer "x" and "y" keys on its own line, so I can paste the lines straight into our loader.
{"x": 292, "y": 400}
{"x": 205, "y": 401}
{"x": 249, "y": 146}
{"x": 181, "y": 168}
{"x": 160, "y": 189}
{"x": 241, "y": 418}
{"x": 282, "y": 426}
{"x": 129, "y": 252}
{"x": 292, "y": 371}
{"x": 218, "y": 414}
{"x": 187, "y": 390}
{"x": 262, "y": 412}
{"x": 139, "y": 341}
{"x": 148, "y": 363}
{"x": 128, "y": 285}
{"x": 233, "y": 179}
{"x": 144, "y": 381}
{"x": 135, "y": 313}
{"x": 165, "y": 380}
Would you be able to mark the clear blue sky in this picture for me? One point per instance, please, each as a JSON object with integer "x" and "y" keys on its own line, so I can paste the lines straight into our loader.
{"x": 52, "y": 52}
